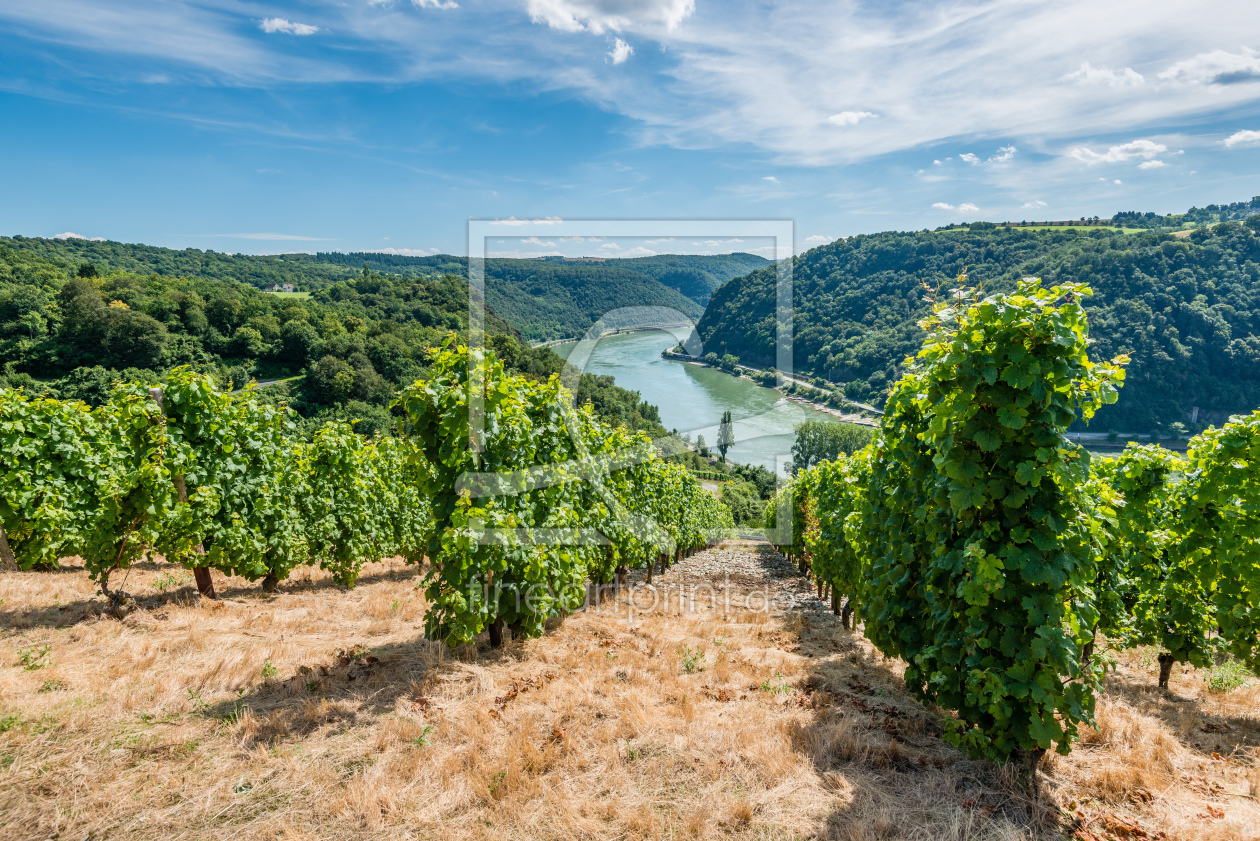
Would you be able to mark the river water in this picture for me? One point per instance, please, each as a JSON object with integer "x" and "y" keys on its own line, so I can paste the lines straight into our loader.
{"x": 692, "y": 398}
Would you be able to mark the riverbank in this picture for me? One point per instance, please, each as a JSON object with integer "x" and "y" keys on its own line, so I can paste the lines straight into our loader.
{"x": 847, "y": 417}
{"x": 692, "y": 398}
{"x": 615, "y": 332}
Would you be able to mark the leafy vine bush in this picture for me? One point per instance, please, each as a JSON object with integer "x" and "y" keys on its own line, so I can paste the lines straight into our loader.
{"x": 964, "y": 534}
{"x": 537, "y": 499}
{"x": 1220, "y": 515}
{"x": 982, "y": 543}
{"x": 548, "y": 497}
{"x": 205, "y": 478}
{"x": 991, "y": 555}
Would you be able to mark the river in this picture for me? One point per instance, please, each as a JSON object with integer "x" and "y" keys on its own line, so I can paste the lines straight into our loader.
{"x": 692, "y": 398}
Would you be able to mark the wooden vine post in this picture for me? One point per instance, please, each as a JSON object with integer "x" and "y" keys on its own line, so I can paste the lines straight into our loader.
{"x": 8, "y": 563}
{"x": 201, "y": 574}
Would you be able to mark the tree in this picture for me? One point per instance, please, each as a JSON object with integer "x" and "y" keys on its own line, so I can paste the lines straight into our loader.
{"x": 88, "y": 270}
{"x": 744, "y": 502}
{"x": 819, "y": 441}
{"x": 299, "y": 341}
{"x": 726, "y": 434}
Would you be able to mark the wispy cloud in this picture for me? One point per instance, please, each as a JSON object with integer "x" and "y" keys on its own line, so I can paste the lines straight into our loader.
{"x": 1245, "y": 137}
{"x": 770, "y": 178}
{"x": 407, "y": 252}
{"x": 1216, "y": 67}
{"x": 70, "y": 235}
{"x": 1151, "y": 164}
{"x": 850, "y": 118}
{"x": 513, "y": 221}
{"x": 435, "y": 4}
{"x": 288, "y": 27}
{"x": 1035, "y": 204}
{"x": 1121, "y": 152}
{"x": 620, "y": 51}
{"x": 272, "y": 237}
{"x": 598, "y": 16}
{"x": 1090, "y": 75}
{"x": 765, "y": 76}
{"x": 965, "y": 207}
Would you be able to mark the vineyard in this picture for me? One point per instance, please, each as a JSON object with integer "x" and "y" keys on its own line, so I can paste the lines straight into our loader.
{"x": 548, "y": 501}
{"x": 1000, "y": 562}
{"x": 960, "y": 602}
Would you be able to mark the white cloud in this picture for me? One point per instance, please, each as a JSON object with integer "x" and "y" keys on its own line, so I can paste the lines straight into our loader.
{"x": 1118, "y": 181}
{"x": 819, "y": 238}
{"x": 288, "y": 27}
{"x": 1122, "y": 152}
{"x": 1151, "y": 165}
{"x": 1035, "y": 204}
{"x": 1242, "y": 138}
{"x": 658, "y": 241}
{"x": 428, "y": 4}
{"x": 538, "y": 242}
{"x": 610, "y": 246}
{"x": 408, "y": 252}
{"x": 936, "y": 163}
{"x": 598, "y": 16}
{"x": 970, "y": 158}
{"x": 967, "y": 207}
{"x": 638, "y": 251}
{"x": 265, "y": 236}
{"x": 1090, "y": 75}
{"x": 940, "y": 205}
{"x": 1217, "y": 67}
{"x": 523, "y": 255}
{"x": 761, "y": 75}
{"x": 620, "y": 51}
{"x": 850, "y": 118}
{"x": 771, "y": 179}
{"x": 512, "y": 220}
{"x": 1004, "y": 154}
{"x": 69, "y": 235}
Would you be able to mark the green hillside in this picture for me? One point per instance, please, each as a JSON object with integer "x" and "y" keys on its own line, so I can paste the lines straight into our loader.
{"x": 548, "y": 300}
{"x": 70, "y": 328}
{"x": 1186, "y": 309}
{"x": 542, "y": 299}
{"x": 554, "y": 298}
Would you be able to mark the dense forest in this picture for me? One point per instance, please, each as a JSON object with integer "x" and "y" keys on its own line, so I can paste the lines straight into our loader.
{"x": 695, "y": 276}
{"x": 1210, "y": 215}
{"x": 70, "y": 329}
{"x": 542, "y": 299}
{"x": 1186, "y": 309}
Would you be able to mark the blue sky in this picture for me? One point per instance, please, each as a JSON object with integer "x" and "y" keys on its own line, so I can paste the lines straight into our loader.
{"x": 385, "y": 124}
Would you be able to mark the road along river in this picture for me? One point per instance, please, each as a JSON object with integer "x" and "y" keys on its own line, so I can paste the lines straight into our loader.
{"x": 692, "y": 397}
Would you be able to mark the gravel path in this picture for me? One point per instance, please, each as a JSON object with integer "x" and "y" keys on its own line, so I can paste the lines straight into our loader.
{"x": 739, "y": 570}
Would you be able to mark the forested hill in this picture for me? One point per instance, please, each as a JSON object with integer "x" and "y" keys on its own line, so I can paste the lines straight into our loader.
{"x": 542, "y": 299}
{"x": 68, "y": 329}
{"x": 555, "y": 298}
{"x": 1186, "y": 309}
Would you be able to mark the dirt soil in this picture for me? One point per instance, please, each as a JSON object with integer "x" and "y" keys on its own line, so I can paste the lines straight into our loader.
{"x": 731, "y": 704}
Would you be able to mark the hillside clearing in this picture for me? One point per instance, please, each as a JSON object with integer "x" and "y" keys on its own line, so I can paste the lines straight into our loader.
{"x": 322, "y": 713}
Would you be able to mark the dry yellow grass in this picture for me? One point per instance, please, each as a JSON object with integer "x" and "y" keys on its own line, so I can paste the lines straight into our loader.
{"x": 322, "y": 713}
